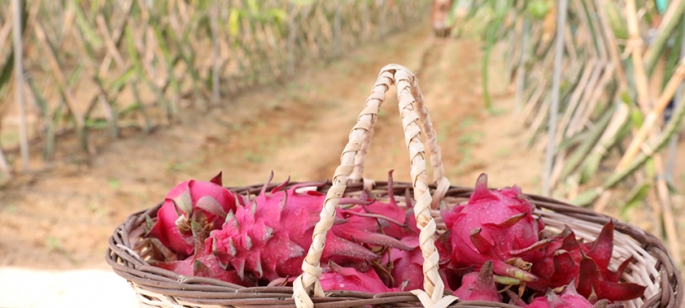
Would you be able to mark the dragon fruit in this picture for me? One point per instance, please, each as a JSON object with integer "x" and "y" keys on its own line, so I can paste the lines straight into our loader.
{"x": 406, "y": 263}
{"x": 269, "y": 238}
{"x": 569, "y": 298}
{"x": 479, "y": 286}
{"x": 595, "y": 275}
{"x": 565, "y": 260}
{"x": 351, "y": 279}
{"x": 202, "y": 263}
{"x": 394, "y": 220}
{"x": 204, "y": 202}
{"x": 494, "y": 225}
{"x": 361, "y": 226}
{"x": 597, "y": 283}
{"x": 494, "y": 240}
{"x": 559, "y": 264}
{"x": 406, "y": 266}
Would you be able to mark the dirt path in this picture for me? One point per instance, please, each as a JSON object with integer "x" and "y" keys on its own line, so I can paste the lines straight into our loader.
{"x": 62, "y": 218}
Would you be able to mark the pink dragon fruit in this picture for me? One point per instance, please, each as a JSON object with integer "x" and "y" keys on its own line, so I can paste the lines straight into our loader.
{"x": 596, "y": 283}
{"x": 479, "y": 286}
{"x": 202, "y": 263}
{"x": 595, "y": 275}
{"x": 361, "y": 226}
{"x": 351, "y": 279}
{"x": 587, "y": 264}
{"x": 269, "y": 238}
{"x": 494, "y": 225}
{"x": 569, "y": 298}
{"x": 204, "y": 202}
{"x": 559, "y": 264}
{"x": 407, "y": 266}
{"x": 394, "y": 220}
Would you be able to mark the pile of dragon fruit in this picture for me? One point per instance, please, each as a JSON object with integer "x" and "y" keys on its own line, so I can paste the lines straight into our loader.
{"x": 494, "y": 249}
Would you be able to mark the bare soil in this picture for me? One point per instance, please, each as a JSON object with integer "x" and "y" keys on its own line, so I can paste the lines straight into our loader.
{"x": 60, "y": 217}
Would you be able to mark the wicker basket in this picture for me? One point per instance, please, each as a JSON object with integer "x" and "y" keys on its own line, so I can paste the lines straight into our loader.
{"x": 156, "y": 287}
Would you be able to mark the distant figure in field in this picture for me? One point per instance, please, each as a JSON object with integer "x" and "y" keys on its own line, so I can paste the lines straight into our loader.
{"x": 439, "y": 13}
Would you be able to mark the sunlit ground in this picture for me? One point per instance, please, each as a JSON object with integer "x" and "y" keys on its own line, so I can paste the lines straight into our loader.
{"x": 21, "y": 287}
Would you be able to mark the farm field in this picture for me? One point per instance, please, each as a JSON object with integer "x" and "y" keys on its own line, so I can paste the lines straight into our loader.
{"x": 57, "y": 220}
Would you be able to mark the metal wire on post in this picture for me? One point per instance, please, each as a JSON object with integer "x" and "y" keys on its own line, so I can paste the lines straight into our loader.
{"x": 337, "y": 46}
{"x": 292, "y": 31}
{"x": 383, "y": 19}
{"x": 673, "y": 144}
{"x": 521, "y": 70}
{"x": 214, "y": 15}
{"x": 365, "y": 20}
{"x": 19, "y": 84}
{"x": 554, "y": 108}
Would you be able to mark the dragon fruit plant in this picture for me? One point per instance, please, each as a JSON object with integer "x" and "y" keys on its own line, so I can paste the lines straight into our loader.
{"x": 494, "y": 247}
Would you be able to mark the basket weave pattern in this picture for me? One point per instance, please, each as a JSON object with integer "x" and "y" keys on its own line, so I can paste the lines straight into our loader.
{"x": 157, "y": 287}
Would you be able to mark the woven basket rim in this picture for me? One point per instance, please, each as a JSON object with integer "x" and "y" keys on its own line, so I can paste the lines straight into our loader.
{"x": 153, "y": 283}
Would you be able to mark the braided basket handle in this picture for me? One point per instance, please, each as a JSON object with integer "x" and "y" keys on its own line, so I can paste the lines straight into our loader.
{"x": 407, "y": 94}
{"x": 439, "y": 178}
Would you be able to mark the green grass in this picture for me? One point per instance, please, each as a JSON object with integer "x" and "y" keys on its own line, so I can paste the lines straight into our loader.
{"x": 254, "y": 158}
{"x": 382, "y": 114}
{"x": 11, "y": 138}
{"x": 96, "y": 209}
{"x": 463, "y": 162}
{"x": 54, "y": 244}
{"x": 113, "y": 183}
{"x": 470, "y": 139}
{"x": 502, "y": 152}
{"x": 10, "y": 209}
{"x": 180, "y": 166}
{"x": 467, "y": 122}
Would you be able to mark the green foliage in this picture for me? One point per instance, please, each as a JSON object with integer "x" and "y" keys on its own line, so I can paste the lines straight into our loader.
{"x": 497, "y": 11}
{"x": 634, "y": 199}
{"x": 467, "y": 122}
{"x": 255, "y": 13}
{"x": 7, "y": 69}
{"x": 84, "y": 25}
{"x": 113, "y": 183}
{"x": 302, "y": 2}
{"x": 636, "y": 117}
{"x": 54, "y": 244}
{"x": 616, "y": 21}
{"x": 538, "y": 9}
{"x": 581, "y": 152}
{"x": 165, "y": 47}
